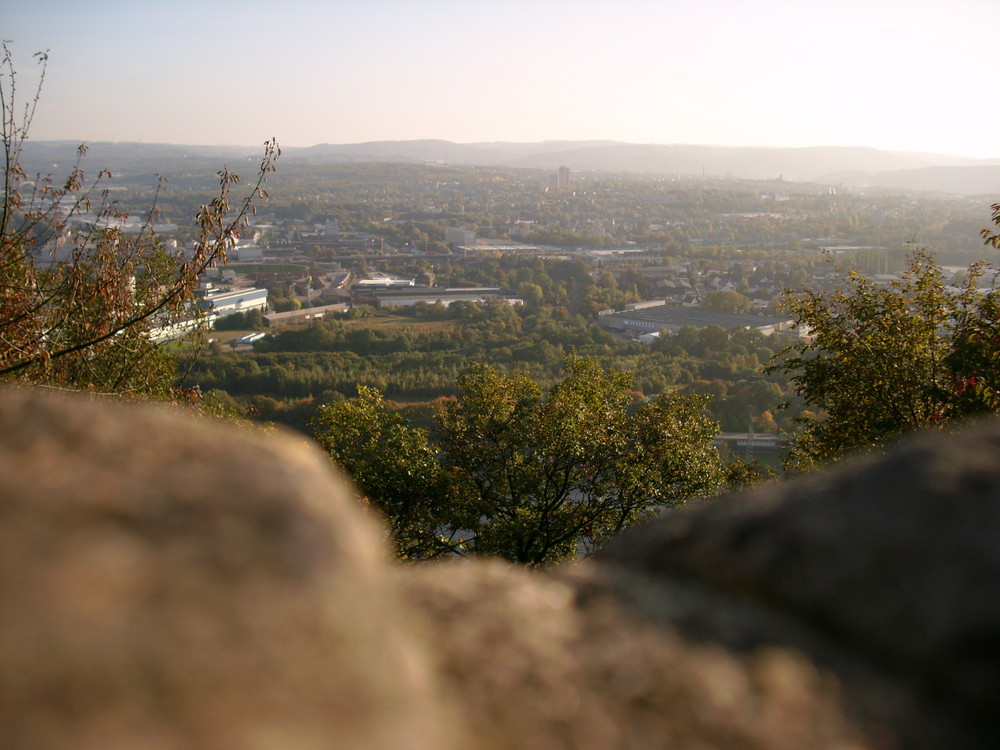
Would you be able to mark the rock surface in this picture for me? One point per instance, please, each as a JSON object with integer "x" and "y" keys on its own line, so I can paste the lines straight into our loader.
{"x": 169, "y": 582}
{"x": 888, "y": 568}
{"x": 166, "y": 582}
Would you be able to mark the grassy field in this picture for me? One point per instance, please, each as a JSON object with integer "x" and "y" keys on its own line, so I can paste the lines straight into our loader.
{"x": 225, "y": 337}
{"x": 382, "y": 322}
{"x": 387, "y": 321}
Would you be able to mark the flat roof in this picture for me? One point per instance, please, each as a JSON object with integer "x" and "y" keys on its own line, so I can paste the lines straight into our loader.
{"x": 694, "y": 316}
{"x": 214, "y": 296}
{"x": 435, "y": 292}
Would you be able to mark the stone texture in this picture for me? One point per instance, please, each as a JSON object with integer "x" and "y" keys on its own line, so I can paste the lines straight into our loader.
{"x": 169, "y": 582}
{"x": 537, "y": 662}
{"x": 888, "y": 568}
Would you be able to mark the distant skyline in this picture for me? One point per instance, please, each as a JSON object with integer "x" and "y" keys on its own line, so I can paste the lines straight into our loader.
{"x": 916, "y": 75}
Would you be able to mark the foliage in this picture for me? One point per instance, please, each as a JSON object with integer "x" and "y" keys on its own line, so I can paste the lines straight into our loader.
{"x": 551, "y": 473}
{"x": 239, "y": 321}
{"x": 726, "y": 302}
{"x": 883, "y": 360}
{"x": 393, "y": 466}
{"x": 421, "y": 357}
{"x": 531, "y": 475}
{"x": 80, "y": 298}
{"x": 742, "y": 474}
{"x": 992, "y": 236}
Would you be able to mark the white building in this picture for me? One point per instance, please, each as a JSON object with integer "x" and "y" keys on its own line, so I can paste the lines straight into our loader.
{"x": 399, "y": 298}
{"x": 218, "y": 304}
{"x": 647, "y": 317}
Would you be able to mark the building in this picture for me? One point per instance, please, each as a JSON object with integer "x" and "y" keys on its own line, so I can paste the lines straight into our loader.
{"x": 302, "y": 315}
{"x": 455, "y": 236}
{"x": 408, "y": 298}
{"x": 214, "y": 303}
{"x": 559, "y": 180}
{"x": 249, "y": 338}
{"x": 249, "y": 253}
{"x": 647, "y": 317}
{"x": 383, "y": 282}
{"x": 358, "y": 242}
{"x": 219, "y": 303}
{"x": 749, "y": 443}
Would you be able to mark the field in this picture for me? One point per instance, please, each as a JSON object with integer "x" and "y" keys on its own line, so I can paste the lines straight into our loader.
{"x": 388, "y": 322}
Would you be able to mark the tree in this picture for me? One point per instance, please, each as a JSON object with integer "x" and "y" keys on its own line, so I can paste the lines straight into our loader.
{"x": 395, "y": 469}
{"x": 884, "y": 360}
{"x": 531, "y": 293}
{"x": 80, "y": 300}
{"x": 521, "y": 473}
{"x": 726, "y": 302}
{"x": 992, "y": 236}
{"x": 252, "y": 319}
{"x": 547, "y": 475}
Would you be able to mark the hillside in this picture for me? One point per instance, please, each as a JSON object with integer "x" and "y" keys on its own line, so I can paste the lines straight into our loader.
{"x": 848, "y": 166}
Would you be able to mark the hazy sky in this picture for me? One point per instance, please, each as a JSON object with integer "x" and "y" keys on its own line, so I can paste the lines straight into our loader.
{"x": 916, "y": 75}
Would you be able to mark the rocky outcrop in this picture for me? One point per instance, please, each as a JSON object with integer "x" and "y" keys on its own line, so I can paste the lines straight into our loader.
{"x": 885, "y": 571}
{"x": 537, "y": 661}
{"x": 168, "y": 582}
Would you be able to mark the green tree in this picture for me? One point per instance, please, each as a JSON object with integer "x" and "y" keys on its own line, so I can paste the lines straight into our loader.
{"x": 80, "y": 302}
{"x": 882, "y": 360}
{"x": 252, "y": 319}
{"x": 992, "y": 236}
{"x": 529, "y": 475}
{"x": 726, "y": 302}
{"x": 394, "y": 468}
{"x": 531, "y": 293}
{"x": 547, "y": 475}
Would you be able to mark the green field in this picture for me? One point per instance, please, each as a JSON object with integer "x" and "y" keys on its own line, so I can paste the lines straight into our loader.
{"x": 225, "y": 337}
{"x": 388, "y": 321}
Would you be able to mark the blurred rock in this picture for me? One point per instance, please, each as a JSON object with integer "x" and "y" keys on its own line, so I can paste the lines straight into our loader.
{"x": 537, "y": 662}
{"x": 168, "y": 582}
{"x": 886, "y": 571}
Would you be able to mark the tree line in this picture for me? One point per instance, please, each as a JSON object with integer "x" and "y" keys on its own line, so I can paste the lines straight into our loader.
{"x": 327, "y": 358}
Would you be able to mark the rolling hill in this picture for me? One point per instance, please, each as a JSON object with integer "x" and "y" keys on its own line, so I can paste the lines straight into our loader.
{"x": 848, "y": 166}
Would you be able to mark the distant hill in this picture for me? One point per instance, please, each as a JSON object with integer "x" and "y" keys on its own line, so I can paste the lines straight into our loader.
{"x": 57, "y": 157}
{"x": 446, "y": 152}
{"x": 849, "y": 166}
{"x": 968, "y": 180}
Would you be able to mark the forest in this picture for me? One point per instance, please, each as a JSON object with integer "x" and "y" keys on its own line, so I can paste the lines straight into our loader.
{"x": 416, "y": 353}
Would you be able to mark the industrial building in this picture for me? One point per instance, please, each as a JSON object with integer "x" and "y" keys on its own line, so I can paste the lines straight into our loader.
{"x": 220, "y": 303}
{"x": 431, "y": 295}
{"x": 647, "y": 317}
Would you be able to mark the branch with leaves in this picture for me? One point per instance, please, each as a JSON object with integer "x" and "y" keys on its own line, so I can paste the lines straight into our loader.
{"x": 79, "y": 298}
{"x": 882, "y": 360}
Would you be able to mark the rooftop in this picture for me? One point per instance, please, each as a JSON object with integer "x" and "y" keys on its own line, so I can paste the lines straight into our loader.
{"x": 668, "y": 316}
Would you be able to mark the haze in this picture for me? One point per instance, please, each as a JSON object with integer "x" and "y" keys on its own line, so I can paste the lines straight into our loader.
{"x": 889, "y": 74}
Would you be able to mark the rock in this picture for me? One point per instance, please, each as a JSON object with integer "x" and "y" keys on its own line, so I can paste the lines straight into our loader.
{"x": 168, "y": 582}
{"x": 562, "y": 661}
{"x": 887, "y": 571}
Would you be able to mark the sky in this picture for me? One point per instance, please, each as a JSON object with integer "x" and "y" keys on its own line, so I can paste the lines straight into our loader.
{"x": 903, "y": 75}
